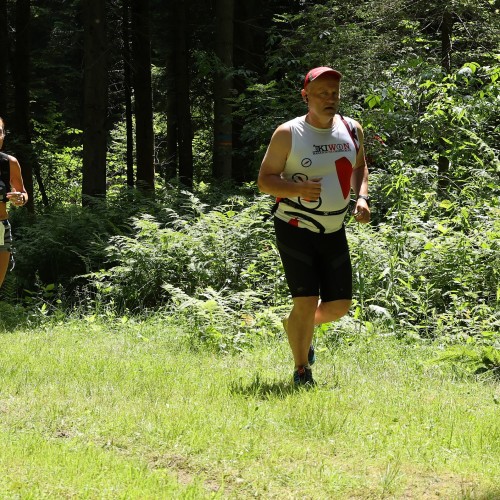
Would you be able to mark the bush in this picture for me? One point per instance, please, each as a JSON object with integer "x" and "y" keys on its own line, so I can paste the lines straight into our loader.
{"x": 228, "y": 249}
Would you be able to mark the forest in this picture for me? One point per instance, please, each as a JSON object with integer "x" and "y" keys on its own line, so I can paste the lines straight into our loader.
{"x": 140, "y": 126}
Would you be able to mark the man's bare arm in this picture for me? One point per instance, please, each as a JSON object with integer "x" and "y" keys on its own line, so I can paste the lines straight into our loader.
{"x": 270, "y": 180}
{"x": 359, "y": 181}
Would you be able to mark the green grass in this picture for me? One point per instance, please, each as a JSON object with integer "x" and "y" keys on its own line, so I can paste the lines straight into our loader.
{"x": 131, "y": 411}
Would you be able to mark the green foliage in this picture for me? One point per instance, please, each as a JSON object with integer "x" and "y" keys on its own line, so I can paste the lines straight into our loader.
{"x": 69, "y": 240}
{"x": 459, "y": 109}
{"x": 57, "y": 247}
{"x": 224, "y": 320}
{"x": 441, "y": 275}
{"x": 427, "y": 267}
{"x": 227, "y": 249}
{"x": 476, "y": 360}
{"x": 434, "y": 277}
{"x": 59, "y": 152}
{"x": 12, "y": 316}
{"x": 462, "y": 110}
{"x": 263, "y": 107}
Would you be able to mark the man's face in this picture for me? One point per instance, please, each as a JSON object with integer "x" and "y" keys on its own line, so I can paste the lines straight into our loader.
{"x": 323, "y": 95}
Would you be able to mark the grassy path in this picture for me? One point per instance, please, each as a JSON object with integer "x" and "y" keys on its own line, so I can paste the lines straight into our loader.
{"x": 93, "y": 411}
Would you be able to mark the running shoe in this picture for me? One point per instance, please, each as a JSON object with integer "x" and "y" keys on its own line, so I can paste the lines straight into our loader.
{"x": 303, "y": 376}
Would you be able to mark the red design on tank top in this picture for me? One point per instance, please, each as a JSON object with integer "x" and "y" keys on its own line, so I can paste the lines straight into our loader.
{"x": 344, "y": 173}
{"x": 294, "y": 222}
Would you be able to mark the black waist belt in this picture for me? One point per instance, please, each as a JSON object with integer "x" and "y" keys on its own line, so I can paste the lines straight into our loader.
{"x": 311, "y": 210}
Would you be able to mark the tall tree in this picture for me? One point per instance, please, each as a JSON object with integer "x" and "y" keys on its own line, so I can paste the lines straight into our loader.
{"x": 184, "y": 129}
{"x": 223, "y": 89}
{"x": 95, "y": 131}
{"x": 179, "y": 143}
{"x": 21, "y": 73}
{"x": 251, "y": 20}
{"x": 4, "y": 56}
{"x": 141, "y": 55}
{"x": 172, "y": 101}
{"x": 127, "y": 85}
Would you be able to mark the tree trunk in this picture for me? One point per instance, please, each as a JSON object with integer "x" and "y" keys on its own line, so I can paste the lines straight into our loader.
{"x": 184, "y": 129}
{"x": 223, "y": 87}
{"x": 4, "y": 57}
{"x": 446, "y": 48}
{"x": 21, "y": 73}
{"x": 141, "y": 50}
{"x": 170, "y": 167}
{"x": 127, "y": 87}
{"x": 95, "y": 105}
{"x": 251, "y": 21}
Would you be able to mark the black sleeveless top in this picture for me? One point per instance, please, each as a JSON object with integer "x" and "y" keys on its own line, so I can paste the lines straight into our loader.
{"x": 4, "y": 176}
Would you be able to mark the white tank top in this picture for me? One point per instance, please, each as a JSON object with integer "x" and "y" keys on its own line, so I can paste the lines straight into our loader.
{"x": 326, "y": 153}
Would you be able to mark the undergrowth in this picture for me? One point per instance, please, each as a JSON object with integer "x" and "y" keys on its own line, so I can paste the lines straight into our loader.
{"x": 429, "y": 270}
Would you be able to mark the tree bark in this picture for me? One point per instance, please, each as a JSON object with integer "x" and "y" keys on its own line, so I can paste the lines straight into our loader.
{"x": 251, "y": 19}
{"x": 22, "y": 122}
{"x": 184, "y": 129}
{"x": 4, "y": 57}
{"x": 127, "y": 86}
{"x": 95, "y": 133}
{"x": 141, "y": 51}
{"x": 170, "y": 167}
{"x": 223, "y": 89}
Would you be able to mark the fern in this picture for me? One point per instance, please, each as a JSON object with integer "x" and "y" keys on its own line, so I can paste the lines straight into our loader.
{"x": 479, "y": 360}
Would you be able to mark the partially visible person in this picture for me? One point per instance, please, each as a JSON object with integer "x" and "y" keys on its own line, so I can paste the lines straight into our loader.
{"x": 311, "y": 165}
{"x": 12, "y": 190}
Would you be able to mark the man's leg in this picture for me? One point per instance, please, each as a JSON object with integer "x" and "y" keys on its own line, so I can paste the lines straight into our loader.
{"x": 331, "y": 311}
{"x": 300, "y": 333}
{"x": 300, "y": 328}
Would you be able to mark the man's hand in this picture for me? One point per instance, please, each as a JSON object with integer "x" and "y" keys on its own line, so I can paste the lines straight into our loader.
{"x": 361, "y": 211}
{"x": 309, "y": 190}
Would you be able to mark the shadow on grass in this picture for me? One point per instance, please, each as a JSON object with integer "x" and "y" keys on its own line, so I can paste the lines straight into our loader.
{"x": 263, "y": 389}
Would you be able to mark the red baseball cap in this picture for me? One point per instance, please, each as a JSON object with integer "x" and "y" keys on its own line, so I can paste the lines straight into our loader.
{"x": 316, "y": 72}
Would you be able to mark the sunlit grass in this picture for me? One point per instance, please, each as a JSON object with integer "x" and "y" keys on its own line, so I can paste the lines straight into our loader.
{"x": 131, "y": 411}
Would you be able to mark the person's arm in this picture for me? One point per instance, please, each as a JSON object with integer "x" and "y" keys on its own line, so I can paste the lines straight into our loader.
{"x": 270, "y": 180}
{"x": 18, "y": 196}
{"x": 359, "y": 181}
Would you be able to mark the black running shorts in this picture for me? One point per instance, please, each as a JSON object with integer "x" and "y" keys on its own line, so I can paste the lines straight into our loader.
{"x": 315, "y": 264}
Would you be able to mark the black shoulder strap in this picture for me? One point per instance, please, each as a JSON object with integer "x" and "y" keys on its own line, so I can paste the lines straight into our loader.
{"x": 352, "y": 133}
